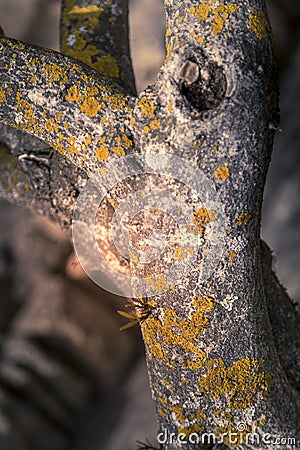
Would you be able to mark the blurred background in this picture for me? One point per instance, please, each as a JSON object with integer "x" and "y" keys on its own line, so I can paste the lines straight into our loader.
{"x": 69, "y": 380}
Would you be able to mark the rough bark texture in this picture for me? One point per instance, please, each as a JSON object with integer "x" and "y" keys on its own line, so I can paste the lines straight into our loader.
{"x": 216, "y": 349}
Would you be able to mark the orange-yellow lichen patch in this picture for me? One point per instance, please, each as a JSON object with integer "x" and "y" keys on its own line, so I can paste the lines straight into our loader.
{"x": 87, "y": 102}
{"x": 243, "y": 218}
{"x": 118, "y": 150}
{"x": 187, "y": 421}
{"x": 51, "y": 125}
{"x": 77, "y": 23}
{"x": 204, "y": 216}
{"x": 90, "y": 106}
{"x": 73, "y": 147}
{"x": 102, "y": 153}
{"x": 258, "y": 23}
{"x": 117, "y": 101}
{"x": 197, "y": 144}
{"x": 54, "y": 72}
{"x": 146, "y": 129}
{"x": 147, "y": 106}
{"x": 2, "y": 97}
{"x": 85, "y": 10}
{"x": 154, "y": 124}
{"x": 74, "y": 95}
{"x": 183, "y": 253}
{"x": 87, "y": 140}
{"x": 222, "y": 173}
{"x": 127, "y": 142}
{"x": 161, "y": 337}
{"x": 29, "y": 116}
{"x": 240, "y": 382}
{"x": 220, "y": 11}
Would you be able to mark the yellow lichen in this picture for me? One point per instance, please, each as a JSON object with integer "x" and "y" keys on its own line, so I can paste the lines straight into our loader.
{"x": 222, "y": 173}
{"x": 85, "y": 10}
{"x": 87, "y": 140}
{"x": 119, "y": 151}
{"x": 243, "y": 218}
{"x": 127, "y": 142}
{"x": 160, "y": 337}
{"x": 29, "y": 116}
{"x": 54, "y": 72}
{"x": 2, "y": 97}
{"x": 51, "y": 125}
{"x": 220, "y": 12}
{"x": 147, "y": 107}
{"x": 154, "y": 124}
{"x": 74, "y": 95}
{"x": 204, "y": 216}
{"x": 77, "y": 24}
{"x": 73, "y": 147}
{"x": 183, "y": 253}
{"x": 189, "y": 421}
{"x": 102, "y": 153}
{"x": 117, "y": 101}
{"x": 241, "y": 382}
{"x": 258, "y": 23}
{"x": 90, "y": 106}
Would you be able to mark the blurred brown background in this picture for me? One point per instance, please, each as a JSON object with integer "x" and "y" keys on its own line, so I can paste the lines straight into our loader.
{"x": 68, "y": 378}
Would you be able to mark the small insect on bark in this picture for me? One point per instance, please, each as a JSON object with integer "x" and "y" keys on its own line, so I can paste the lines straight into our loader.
{"x": 139, "y": 310}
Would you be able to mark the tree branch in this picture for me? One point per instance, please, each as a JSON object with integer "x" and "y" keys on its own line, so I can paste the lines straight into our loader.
{"x": 211, "y": 355}
{"x": 44, "y": 99}
{"x": 284, "y": 320}
{"x": 53, "y": 172}
{"x": 97, "y": 34}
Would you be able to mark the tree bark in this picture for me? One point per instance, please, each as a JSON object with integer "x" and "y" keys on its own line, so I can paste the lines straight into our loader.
{"x": 213, "y": 358}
